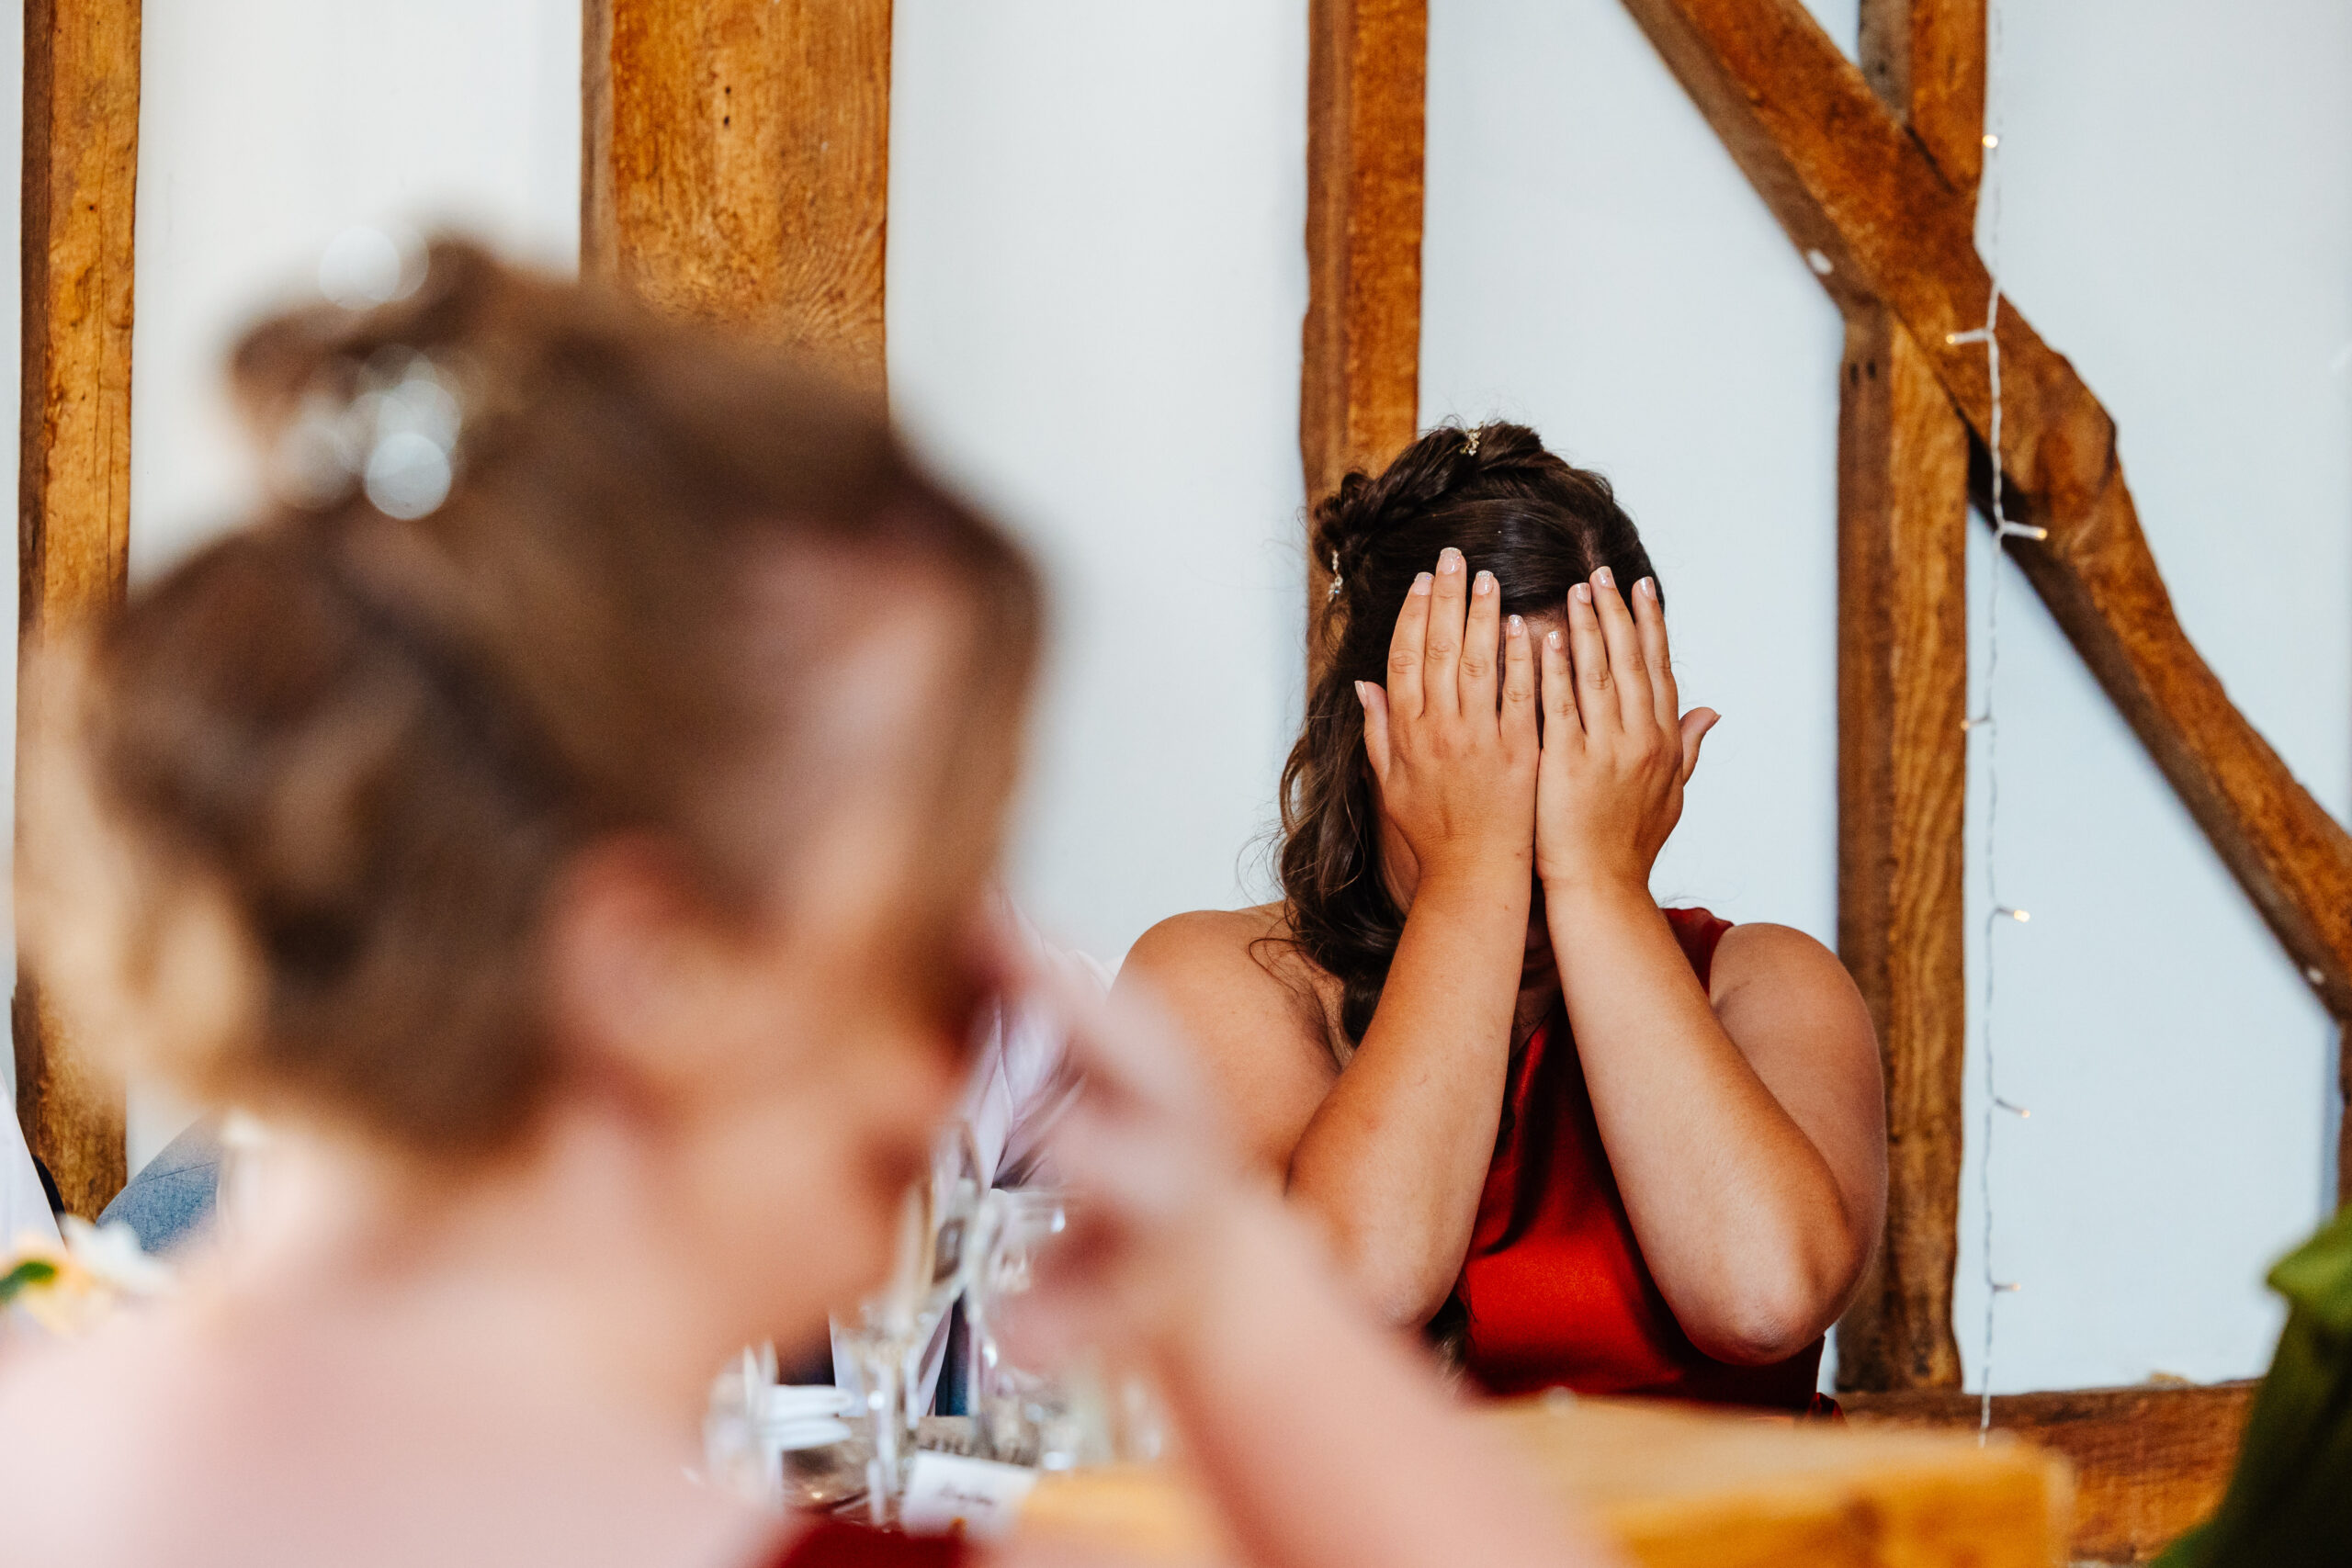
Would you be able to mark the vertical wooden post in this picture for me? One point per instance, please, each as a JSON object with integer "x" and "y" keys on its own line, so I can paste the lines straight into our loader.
{"x": 1359, "y": 400}
{"x": 1901, "y": 706}
{"x": 80, "y": 170}
{"x": 736, "y": 165}
{"x": 2344, "y": 1122}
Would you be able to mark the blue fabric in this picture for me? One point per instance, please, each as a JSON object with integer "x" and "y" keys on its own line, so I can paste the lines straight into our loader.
{"x": 170, "y": 1200}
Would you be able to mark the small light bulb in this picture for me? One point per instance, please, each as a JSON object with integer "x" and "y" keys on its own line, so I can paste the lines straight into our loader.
{"x": 2020, "y": 916}
{"x": 1991, "y": 140}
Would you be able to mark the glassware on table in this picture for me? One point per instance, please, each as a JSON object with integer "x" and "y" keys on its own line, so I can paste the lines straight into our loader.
{"x": 780, "y": 1445}
{"x": 893, "y": 1337}
{"x": 1084, "y": 1413}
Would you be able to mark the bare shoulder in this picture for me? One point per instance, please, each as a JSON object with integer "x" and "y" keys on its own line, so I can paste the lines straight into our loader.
{"x": 1219, "y": 968}
{"x": 1220, "y": 946}
{"x": 1795, "y": 1012}
{"x": 1779, "y": 959}
{"x": 88, "y": 1430}
{"x": 1254, "y": 1006}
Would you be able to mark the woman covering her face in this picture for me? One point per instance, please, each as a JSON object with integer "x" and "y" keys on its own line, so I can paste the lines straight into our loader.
{"x": 565, "y": 819}
{"x": 1587, "y": 1142}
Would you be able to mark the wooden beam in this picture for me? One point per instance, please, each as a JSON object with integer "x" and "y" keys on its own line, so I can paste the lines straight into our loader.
{"x": 1359, "y": 396}
{"x": 1902, "y": 792}
{"x": 81, "y": 171}
{"x": 1847, "y": 180}
{"x": 1902, "y": 747}
{"x": 736, "y": 165}
{"x": 2149, "y": 1461}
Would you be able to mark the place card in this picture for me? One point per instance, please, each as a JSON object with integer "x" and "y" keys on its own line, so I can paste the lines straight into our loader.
{"x": 951, "y": 1495}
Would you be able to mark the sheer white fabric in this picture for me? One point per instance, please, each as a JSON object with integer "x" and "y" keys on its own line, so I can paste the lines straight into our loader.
{"x": 24, "y": 1207}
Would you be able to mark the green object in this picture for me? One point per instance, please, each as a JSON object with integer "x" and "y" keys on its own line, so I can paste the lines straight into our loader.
{"x": 24, "y": 1276}
{"x": 2290, "y": 1501}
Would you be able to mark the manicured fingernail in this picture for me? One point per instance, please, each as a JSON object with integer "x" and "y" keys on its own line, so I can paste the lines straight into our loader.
{"x": 1551, "y": 640}
{"x": 1517, "y": 627}
{"x": 1421, "y": 583}
{"x": 1360, "y": 696}
{"x": 1648, "y": 588}
{"x": 1449, "y": 559}
{"x": 1582, "y": 594}
{"x": 1604, "y": 578}
{"x": 1483, "y": 583}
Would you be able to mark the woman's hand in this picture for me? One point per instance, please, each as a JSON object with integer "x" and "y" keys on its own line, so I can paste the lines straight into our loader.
{"x": 1616, "y": 750}
{"x": 1147, "y": 1161}
{"x": 1456, "y": 757}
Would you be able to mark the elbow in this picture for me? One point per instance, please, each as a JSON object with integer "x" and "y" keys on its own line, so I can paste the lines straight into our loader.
{"x": 1397, "y": 1296}
{"x": 1771, "y": 1314}
{"x": 1758, "y": 1327}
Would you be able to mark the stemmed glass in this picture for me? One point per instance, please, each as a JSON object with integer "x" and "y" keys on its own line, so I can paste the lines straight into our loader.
{"x": 1010, "y": 1229}
{"x": 896, "y": 1328}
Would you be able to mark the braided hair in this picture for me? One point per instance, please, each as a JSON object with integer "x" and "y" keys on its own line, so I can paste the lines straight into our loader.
{"x": 1512, "y": 508}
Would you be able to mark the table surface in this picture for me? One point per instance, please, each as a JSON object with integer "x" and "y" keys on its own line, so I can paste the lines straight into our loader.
{"x": 1676, "y": 1486}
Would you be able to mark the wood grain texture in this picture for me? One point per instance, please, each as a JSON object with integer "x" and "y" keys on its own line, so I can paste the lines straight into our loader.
{"x": 2149, "y": 1461}
{"x": 1845, "y": 177}
{"x": 1902, "y": 793}
{"x": 80, "y": 170}
{"x": 1925, "y": 60}
{"x": 736, "y": 165}
{"x": 1902, "y": 748}
{"x": 1359, "y": 400}
{"x": 1674, "y": 1488}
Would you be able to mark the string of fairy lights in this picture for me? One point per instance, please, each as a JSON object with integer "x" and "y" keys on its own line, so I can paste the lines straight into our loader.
{"x": 1996, "y": 912}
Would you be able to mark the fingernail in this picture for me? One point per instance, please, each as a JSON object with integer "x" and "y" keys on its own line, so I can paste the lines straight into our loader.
{"x": 1646, "y": 588}
{"x": 1582, "y": 594}
{"x": 1360, "y": 696}
{"x": 1449, "y": 559}
{"x": 1421, "y": 583}
{"x": 1517, "y": 627}
{"x": 1551, "y": 640}
{"x": 1483, "y": 583}
{"x": 1604, "y": 578}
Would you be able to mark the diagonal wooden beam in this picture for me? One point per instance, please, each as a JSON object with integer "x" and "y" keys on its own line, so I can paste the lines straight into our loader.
{"x": 1848, "y": 181}
{"x": 1902, "y": 745}
{"x": 736, "y": 165}
{"x": 1359, "y": 400}
{"x": 81, "y": 169}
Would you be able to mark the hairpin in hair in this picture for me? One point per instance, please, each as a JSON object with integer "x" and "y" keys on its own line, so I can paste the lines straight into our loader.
{"x": 1470, "y": 447}
{"x": 1336, "y": 579}
{"x": 392, "y": 432}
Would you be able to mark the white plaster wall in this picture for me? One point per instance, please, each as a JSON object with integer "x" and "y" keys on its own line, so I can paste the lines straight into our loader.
{"x": 1096, "y": 280}
{"x": 1095, "y": 286}
{"x": 266, "y": 128}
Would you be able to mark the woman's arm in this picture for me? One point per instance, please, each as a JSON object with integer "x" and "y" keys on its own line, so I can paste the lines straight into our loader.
{"x": 1391, "y": 1155}
{"x": 1746, "y": 1130}
{"x": 1324, "y": 1442}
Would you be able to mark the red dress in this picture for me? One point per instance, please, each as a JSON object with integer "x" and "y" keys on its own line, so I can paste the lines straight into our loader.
{"x": 1553, "y": 1290}
{"x": 837, "y": 1543}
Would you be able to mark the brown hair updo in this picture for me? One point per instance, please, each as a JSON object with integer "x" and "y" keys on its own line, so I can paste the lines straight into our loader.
{"x": 1512, "y": 508}
{"x": 541, "y": 567}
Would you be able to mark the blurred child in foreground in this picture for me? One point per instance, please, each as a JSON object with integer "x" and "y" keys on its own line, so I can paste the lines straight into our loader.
{"x": 565, "y": 818}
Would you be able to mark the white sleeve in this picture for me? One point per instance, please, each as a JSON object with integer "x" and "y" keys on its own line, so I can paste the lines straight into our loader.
{"x": 24, "y": 1207}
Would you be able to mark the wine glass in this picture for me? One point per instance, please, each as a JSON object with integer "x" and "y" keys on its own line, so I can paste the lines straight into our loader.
{"x": 1010, "y": 1403}
{"x": 893, "y": 1337}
